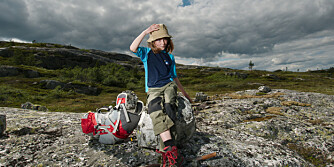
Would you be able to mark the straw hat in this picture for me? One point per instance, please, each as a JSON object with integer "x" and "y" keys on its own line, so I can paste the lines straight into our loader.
{"x": 161, "y": 33}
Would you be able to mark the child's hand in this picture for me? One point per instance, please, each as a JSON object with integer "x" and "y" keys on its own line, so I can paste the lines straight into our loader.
{"x": 153, "y": 27}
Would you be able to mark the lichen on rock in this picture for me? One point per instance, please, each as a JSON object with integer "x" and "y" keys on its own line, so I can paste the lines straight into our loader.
{"x": 240, "y": 130}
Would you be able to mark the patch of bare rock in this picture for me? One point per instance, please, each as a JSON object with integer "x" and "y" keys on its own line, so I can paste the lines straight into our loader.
{"x": 246, "y": 128}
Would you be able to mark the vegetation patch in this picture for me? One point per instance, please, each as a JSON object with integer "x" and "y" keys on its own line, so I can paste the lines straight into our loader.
{"x": 317, "y": 122}
{"x": 237, "y": 96}
{"x": 109, "y": 75}
{"x": 312, "y": 155}
{"x": 114, "y": 78}
{"x": 290, "y": 103}
{"x": 275, "y": 110}
{"x": 260, "y": 119}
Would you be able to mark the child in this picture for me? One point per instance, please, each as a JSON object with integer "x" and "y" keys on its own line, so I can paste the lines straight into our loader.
{"x": 161, "y": 85}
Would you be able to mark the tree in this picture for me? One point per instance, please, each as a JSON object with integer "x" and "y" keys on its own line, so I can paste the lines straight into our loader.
{"x": 251, "y": 64}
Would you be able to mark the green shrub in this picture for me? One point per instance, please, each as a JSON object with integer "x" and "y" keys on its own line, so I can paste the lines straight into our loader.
{"x": 109, "y": 75}
{"x": 58, "y": 92}
{"x": 10, "y": 95}
{"x": 21, "y": 57}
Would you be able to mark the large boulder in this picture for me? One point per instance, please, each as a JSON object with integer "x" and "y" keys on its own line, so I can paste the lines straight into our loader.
{"x": 31, "y": 74}
{"x": 264, "y": 89}
{"x": 6, "y": 71}
{"x": 51, "y": 84}
{"x": 83, "y": 89}
{"x": 200, "y": 97}
{"x": 183, "y": 131}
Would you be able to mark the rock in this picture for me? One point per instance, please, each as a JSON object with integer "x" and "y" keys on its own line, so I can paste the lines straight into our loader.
{"x": 240, "y": 131}
{"x": 51, "y": 84}
{"x": 79, "y": 88}
{"x": 237, "y": 75}
{"x": 272, "y": 76}
{"x": 209, "y": 69}
{"x": 23, "y": 131}
{"x": 184, "y": 129}
{"x": 2, "y": 124}
{"x": 200, "y": 97}
{"x": 6, "y": 71}
{"x": 264, "y": 89}
{"x": 27, "y": 105}
{"x": 31, "y": 106}
{"x": 83, "y": 89}
{"x": 68, "y": 57}
{"x": 32, "y": 74}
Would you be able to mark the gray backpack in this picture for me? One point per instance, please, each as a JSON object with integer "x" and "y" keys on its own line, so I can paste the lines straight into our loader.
{"x": 185, "y": 126}
{"x": 117, "y": 123}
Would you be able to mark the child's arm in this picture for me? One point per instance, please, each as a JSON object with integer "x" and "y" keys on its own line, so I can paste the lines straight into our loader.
{"x": 179, "y": 85}
{"x": 135, "y": 44}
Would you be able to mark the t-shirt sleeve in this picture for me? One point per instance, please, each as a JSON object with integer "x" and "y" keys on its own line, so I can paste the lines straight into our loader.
{"x": 141, "y": 52}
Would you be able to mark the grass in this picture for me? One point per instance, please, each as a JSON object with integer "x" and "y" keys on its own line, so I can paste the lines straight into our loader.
{"x": 260, "y": 119}
{"x": 112, "y": 79}
{"x": 290, "y": 103}
{"x": 20, "y": 89}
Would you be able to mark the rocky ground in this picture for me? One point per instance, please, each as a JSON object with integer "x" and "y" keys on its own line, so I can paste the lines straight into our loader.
{"x": 247, "y": 128}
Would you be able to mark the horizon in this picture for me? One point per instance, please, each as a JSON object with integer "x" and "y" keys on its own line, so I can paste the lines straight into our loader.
{"x": 254, "y": 69}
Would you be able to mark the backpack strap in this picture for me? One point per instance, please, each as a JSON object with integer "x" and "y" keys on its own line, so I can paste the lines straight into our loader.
{"x": 99, "y": 120}
{"x": 111, "y": 133}
{"x": 119, "y": 104}
{"x": 143, "y": 107}
{"x": 115, "y": 126}
{"x": 125, "y": 113}
{"x": 117, "y": 122}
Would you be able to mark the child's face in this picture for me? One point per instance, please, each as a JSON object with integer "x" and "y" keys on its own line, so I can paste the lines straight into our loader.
{"x": 160, "y": 43}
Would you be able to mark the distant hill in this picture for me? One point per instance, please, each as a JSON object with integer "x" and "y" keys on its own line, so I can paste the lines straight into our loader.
{"x": 55, "y": 56}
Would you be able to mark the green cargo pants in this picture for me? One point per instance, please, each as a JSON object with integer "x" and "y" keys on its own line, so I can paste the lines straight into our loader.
{"x": 161, "y": 104}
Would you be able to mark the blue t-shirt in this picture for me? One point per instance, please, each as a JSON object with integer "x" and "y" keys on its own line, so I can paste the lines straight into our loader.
{"x": 159, "y": 68}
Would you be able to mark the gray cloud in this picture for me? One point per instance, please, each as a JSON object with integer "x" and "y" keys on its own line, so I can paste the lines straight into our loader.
{"x": 206, "y": 32}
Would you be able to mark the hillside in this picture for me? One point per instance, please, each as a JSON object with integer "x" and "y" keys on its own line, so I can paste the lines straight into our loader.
{"x": 289, "y": 125}
{"x": 78, "y": 80}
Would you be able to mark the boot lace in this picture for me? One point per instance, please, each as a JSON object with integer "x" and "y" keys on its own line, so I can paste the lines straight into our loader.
{"x": 171, "y": 155}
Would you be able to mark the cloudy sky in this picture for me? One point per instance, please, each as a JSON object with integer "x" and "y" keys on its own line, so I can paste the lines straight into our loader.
{"x": 273, "y": 34}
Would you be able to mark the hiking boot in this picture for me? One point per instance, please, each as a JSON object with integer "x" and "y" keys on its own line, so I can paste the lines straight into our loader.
{"x": 171, "y": 157}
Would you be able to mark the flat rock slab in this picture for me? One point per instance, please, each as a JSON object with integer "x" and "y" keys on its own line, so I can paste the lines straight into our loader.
{"x": 249, "y": 131}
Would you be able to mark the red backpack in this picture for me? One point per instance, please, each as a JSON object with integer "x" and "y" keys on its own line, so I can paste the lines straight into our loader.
{"x": 117, "y": 123}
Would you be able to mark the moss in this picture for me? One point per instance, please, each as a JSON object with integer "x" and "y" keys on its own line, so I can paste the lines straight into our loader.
{"x": 275, "y": 110}
{"x": 33, "y": 130}
{"x": 236, "y": 96}
{"x": 317, "y": 122}
{"x": 260, "y": 94}
{"x": 260, "y": 119}
{"x": 290, "y": 103}
{"x": 311, "y": 155}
